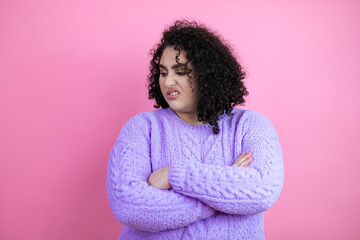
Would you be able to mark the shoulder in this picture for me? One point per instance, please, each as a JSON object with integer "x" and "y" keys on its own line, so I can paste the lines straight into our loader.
{"x": 241, "y": 116}
{"x": 144, "y": 119}
{"x": 138, "y": 125}
{"x": 144, "y": 122}
{"x": 250, "y": 121}
{"x": 251, "y": 116}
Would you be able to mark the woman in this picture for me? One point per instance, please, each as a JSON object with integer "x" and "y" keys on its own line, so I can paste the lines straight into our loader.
{"x": 196, "y": 168}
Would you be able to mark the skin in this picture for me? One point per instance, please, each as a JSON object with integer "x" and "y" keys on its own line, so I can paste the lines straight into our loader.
{"x": 173, "y": 76}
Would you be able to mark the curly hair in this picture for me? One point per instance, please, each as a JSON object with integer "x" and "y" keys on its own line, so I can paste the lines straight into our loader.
{"x": 219, "y": 75}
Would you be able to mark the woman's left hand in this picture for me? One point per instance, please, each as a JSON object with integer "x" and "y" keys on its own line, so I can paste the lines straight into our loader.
{"x": 160, "y": 178}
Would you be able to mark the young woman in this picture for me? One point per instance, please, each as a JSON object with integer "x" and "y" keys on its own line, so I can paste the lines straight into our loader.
{"x": 196, "y": 168}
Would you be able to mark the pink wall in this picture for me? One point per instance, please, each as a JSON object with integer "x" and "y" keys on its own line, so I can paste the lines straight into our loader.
{"x": 70, "y": 69}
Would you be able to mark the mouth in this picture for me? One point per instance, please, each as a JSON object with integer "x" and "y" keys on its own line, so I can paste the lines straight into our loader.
{"x": 171, "y": 91}
{"x": 172, "y": 94}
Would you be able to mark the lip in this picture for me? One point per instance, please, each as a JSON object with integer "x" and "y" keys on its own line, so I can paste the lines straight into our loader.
{"x": 171, "y": 97}
{"x": 172, "y": 90}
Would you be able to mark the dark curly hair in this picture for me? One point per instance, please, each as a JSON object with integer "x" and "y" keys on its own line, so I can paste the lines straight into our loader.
{"x": 219, "y": 75}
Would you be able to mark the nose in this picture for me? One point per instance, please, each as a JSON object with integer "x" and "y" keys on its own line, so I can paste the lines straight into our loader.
{"x": 170, "y": 81}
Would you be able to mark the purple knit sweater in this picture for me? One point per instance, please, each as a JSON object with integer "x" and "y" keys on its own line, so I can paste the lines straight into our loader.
{"x": 209, "y": 199}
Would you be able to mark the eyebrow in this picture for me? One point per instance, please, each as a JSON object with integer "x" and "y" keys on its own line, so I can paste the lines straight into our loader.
{"x": 180, "y": 65}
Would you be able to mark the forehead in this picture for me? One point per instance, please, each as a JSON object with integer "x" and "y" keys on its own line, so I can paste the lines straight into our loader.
{"x": 168, "y": 56}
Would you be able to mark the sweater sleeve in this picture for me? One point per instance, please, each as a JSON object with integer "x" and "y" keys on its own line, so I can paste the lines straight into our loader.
{"x": 132, "y": 200}
{"x": 237, "y": 190}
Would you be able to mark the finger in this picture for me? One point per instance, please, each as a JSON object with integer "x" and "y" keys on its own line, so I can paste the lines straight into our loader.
{"x": 244, "y": 165}
{"x": 244, "y": 157}
{"x": 242, "y": 154}
{"x": 245, "y": 162}
{"x": 249, "y": 159}
{"x": 238, "y": 159}
{"x": 247, "y": 155}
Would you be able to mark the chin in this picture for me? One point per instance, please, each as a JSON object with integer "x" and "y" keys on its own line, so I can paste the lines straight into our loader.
{"x": 176, "y": 110}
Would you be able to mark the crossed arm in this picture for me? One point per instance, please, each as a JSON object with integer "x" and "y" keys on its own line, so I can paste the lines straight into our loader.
{"x": 160, "y": 178}
{"x": 167, "y": 199}
{"x": 234, "y": 190}
{"x": 137, "y": 204}
{"x": 149, "y": 203}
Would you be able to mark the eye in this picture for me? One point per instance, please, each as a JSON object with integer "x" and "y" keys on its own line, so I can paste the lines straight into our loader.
{"x": 163, "y": 74}
{"x": 180, "y": 73}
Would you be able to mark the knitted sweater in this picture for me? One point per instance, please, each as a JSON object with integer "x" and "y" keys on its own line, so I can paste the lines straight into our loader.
{"x": 209, "y": 198}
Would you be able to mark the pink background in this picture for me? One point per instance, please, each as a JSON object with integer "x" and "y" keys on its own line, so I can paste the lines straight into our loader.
{"x": 73, "y": 72}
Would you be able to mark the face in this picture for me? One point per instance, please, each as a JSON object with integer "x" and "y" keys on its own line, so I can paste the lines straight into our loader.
{"x": 178, "y": 89}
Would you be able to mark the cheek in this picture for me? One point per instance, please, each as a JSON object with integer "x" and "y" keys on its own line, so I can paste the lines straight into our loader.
{"x": 162, "y": 88}
{"x": 161, "y": 85}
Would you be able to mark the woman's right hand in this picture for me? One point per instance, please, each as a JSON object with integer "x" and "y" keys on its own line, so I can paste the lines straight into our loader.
{"x": 243, "y": 160}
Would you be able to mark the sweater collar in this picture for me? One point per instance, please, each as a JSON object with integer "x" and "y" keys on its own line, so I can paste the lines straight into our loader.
{"x": 181, "y": 123}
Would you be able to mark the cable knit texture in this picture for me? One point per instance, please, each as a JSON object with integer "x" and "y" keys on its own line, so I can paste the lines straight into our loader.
{"x": 209, "y": 199}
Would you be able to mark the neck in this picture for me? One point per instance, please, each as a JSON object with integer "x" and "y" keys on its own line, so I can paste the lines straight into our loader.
{"x": 190, "y": 118}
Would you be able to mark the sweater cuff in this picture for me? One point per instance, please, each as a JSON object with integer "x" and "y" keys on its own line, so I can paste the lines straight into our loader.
{"x": 177, "y": 176}
{"x": 206, "y": 211}
{"x": 177, "y": 180}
